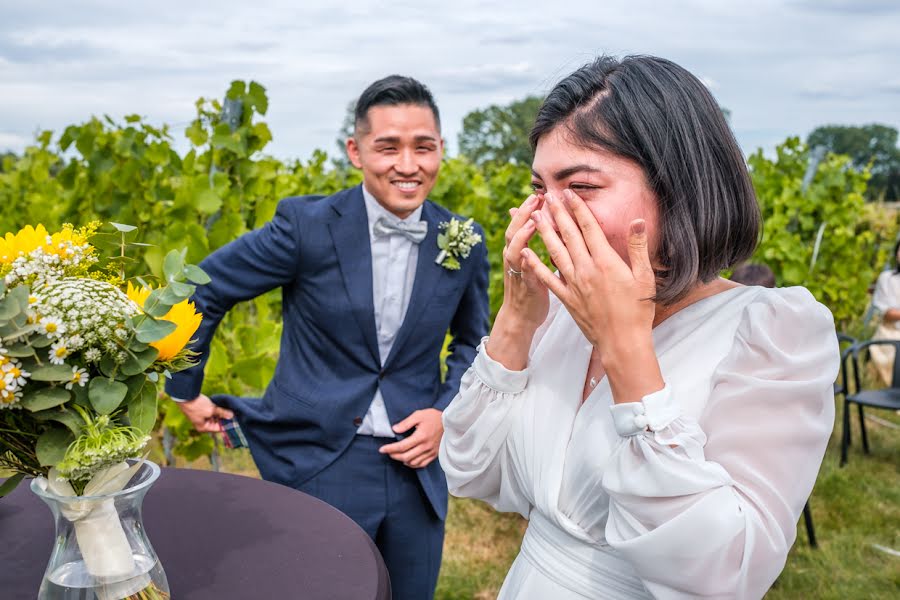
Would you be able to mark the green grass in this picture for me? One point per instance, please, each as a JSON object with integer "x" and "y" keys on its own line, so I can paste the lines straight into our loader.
{"x": 853, "y": 508}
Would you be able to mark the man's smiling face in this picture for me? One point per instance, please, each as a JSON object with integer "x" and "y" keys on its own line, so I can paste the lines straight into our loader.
{"x": 399, "y": 149}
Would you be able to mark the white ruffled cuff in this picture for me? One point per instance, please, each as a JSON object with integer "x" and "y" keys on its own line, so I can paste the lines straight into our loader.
{"x": 495, "y": 376}
{"x": 654, "y": 412}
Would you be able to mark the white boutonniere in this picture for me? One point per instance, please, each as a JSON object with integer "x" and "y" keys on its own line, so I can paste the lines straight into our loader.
{"x": 456, "y": 241}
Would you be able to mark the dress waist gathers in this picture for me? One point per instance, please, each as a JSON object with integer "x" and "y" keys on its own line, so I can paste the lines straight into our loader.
{"x": 593, "y": 570}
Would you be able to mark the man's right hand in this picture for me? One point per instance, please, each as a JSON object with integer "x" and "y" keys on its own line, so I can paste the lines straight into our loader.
{"x": 204, "y": 414}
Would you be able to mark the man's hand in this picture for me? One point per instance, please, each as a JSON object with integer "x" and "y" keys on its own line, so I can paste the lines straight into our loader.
{"x": 420, "y": 448}
{"x": 204, "y": 414}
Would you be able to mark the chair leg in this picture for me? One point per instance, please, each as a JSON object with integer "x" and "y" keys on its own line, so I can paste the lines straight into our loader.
{"x": 845, "y": 434}
{"x": 810, "y": 530}
{"x": 862, "y": 427}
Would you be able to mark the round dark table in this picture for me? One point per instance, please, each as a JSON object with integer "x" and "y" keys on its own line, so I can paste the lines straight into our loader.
{"x": 220, "y": 537}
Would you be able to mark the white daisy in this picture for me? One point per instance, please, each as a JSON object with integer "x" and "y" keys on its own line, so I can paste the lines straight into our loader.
{"x": 79, "y": 377}
{"x": 52, "y": 327}
{"x": 12, "y": 371}
{"x": 58, "y": 352}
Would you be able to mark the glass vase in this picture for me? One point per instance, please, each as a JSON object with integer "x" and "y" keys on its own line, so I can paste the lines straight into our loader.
{"x": 101, "y": 550}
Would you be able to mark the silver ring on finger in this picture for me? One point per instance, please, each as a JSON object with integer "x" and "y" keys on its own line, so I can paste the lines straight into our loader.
{"x": 513, "y": 273}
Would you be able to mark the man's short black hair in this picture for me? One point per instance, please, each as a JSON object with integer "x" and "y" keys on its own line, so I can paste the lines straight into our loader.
{"x": 655, "y": 113}
{"x": 393, "y": 90}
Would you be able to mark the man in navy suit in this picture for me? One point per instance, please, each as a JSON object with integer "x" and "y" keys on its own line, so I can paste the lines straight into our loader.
{"x": 353, "y": 412}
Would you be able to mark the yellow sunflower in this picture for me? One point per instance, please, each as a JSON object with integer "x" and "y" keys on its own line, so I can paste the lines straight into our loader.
{"x": 12, "y": 245}
{"x": 183, "y": 314}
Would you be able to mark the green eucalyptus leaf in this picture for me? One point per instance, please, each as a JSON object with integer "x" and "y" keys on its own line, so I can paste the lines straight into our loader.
{"x": 52, "y": 445}
{"x": 155, "y": 306}
{"x": 10, "y": 484}
{"x": 41, "y": 341}
{"x": 19, "y": 351}
{"x": 69, "y": 418}
{"x": 138, "y": 362}
{"x": 123, "y": 228}
{"x": 52, "y": 373}
{"x": 183, "y": 290}
{"x": 151, "y": 330}
{"x": 142, "y": 408}
{"x": 196, "y": 274}
{"x": 106, "y": 395}
{"x": 173, "y": 265}
{"x": 46, "y": 397}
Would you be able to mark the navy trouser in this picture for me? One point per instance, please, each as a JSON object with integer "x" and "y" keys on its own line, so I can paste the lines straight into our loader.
{"x": 384, "y": 498}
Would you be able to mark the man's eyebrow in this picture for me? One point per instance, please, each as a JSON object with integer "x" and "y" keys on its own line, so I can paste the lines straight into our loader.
{"x": 395, "y": 139}
{"x": 569, "y": 171}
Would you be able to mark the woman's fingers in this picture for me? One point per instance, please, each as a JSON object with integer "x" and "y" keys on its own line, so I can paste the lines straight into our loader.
{"x": 513, "y": 250}
{"x": 591, "y": 232}
{"x": 568, "y": 230}
{"x": 520, "y": 216}
{"x": 559, "y": 254}
{"x": 533, "y": 267}
{"x": 639, "y": 253}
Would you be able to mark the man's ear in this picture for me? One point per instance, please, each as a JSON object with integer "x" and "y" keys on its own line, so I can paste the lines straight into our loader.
{"x": 353, "y": 152}
{"x": 442, "y": 147}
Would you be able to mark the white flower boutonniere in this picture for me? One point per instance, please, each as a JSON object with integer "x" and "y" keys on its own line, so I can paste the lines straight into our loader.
{"x": 456, "y": 241}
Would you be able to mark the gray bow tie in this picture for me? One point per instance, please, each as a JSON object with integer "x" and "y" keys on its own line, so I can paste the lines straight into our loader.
{"x": 414, "y": 232}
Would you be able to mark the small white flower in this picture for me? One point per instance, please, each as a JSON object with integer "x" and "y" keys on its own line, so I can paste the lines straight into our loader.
{"x": 9, "y": 396}
{"x": 58, "y": 352}
{"x": 79, "y": 377}
{"x": 52, "y": 327}
{"x": 12, "y": 372}
{"x": 92, "y": 355}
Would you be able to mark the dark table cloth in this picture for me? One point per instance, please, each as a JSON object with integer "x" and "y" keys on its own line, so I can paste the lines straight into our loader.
{"x": 218, "y": 536}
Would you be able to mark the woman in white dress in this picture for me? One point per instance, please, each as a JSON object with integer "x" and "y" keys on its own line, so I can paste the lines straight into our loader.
{"x": 886, "y": 301}
{"x": 660, "y": 427}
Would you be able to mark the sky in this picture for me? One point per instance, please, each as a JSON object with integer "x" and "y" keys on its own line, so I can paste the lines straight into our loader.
{"x": 782, "y": 67}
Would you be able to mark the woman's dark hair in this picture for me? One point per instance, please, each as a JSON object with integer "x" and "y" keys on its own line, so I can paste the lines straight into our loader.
{"x": 393, "y": 90}
{"x": 655, "y": 113}
{"x": 754, "y": 274}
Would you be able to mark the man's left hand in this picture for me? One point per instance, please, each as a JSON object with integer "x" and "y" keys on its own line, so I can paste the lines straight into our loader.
{"x": 420, "y": 448}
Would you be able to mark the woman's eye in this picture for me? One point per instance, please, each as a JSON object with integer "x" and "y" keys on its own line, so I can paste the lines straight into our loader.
{"x": 537, "y": 186}
{"x": 583, "y": 187}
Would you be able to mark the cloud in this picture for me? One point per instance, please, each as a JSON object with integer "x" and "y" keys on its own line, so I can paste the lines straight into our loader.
{"x": 851, "y": 7}
{"x": 780, "y": 66}
{"x": 484, "y": 77}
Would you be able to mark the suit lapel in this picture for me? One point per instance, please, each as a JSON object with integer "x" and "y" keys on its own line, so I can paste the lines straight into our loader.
{"x": 350, "y": 234}
{"x": 428, "y": 274}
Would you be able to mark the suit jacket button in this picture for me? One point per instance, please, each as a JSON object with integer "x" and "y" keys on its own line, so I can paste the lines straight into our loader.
{"x": 381, "y": 374}
{"x": 357, "y": 421}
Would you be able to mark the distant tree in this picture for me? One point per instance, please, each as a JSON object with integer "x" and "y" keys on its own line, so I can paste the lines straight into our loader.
{"x": 499, "y": 133}
{"x": 873, "y": 146}
{"x": 3, "y": 157}
{"x": 345, "y": 132}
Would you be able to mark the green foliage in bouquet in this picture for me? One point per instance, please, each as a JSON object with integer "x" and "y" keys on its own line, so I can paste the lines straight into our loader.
{"x": 80, "y": 359}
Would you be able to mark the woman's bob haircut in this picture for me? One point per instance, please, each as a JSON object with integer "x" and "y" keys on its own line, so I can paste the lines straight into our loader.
{"x": 655, "y": 113}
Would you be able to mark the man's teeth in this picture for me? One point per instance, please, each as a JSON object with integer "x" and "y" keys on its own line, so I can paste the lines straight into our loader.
{"x": 406, "y": 185}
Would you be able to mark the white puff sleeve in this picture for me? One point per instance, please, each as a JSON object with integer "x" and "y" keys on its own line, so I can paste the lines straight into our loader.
{"x": 473, "y": 450}
{"x": 709, "y": 507}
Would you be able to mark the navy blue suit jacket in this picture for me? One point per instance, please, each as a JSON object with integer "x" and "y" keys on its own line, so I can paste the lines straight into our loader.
{"x": 317, "y": 250}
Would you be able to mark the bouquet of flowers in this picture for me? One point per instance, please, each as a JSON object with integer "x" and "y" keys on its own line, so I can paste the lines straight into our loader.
{"x": 80, "y": 362}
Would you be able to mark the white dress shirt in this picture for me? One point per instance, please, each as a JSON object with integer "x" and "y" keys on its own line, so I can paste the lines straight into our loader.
{"x": 394, "y": 260}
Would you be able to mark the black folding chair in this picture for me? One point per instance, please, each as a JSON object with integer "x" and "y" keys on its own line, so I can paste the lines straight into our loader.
{"x": 887, "y": 398}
